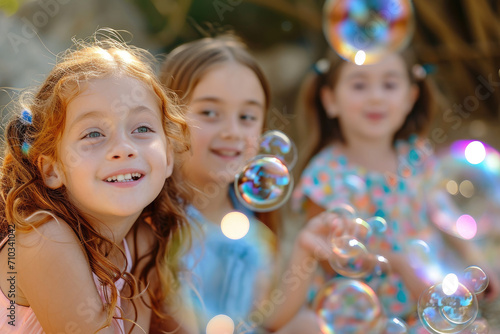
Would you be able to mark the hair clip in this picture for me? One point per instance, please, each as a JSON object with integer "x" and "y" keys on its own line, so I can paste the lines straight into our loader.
{"x": 419, "y": 72}
{"x": 25, "y": 148}
{"x": 26, "y": 117}
{"x": 321, "y": 66}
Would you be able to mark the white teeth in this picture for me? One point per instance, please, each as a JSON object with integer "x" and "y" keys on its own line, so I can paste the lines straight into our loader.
{"x": 124, "y": 177}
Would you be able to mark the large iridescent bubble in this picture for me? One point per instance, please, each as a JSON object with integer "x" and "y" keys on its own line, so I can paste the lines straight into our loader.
{"x": 264, "y": 183}
{"x": 348, "y": 306}
{"x": 442, "y": 313}
{"x": 451, "y": 306}
{"x": 276, "y": 143}
{"x": 363, "y": 31}
{"x": 466, "y": 190}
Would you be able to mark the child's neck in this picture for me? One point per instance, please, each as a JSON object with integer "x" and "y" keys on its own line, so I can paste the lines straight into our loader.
{"x": 115, "y": 229}
{"x": 379, "y": 156}
{"x": 217, "y": 205}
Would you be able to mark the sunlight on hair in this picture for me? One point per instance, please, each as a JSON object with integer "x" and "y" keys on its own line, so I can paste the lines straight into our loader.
{"x": 235, "y": 225}
{"x": 126, "y": 56}
{"x": 475, "y": 152}
{"x": 220, "y": 324}
{"x": 105, "y": 54}
{"x": 450, "y": 284}
{"x": 360, "y": 57}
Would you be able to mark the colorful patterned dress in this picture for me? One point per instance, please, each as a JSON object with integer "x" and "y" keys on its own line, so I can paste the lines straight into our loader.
{"x": 330, "y": 180}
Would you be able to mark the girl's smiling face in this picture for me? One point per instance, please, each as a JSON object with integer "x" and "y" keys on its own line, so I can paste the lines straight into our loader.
{"x": 226, "y": 116}
{"x": 113, "y": 155}
{"x": 371, "y": 101}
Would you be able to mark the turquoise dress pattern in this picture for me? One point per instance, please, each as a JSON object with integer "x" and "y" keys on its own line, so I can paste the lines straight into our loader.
{"x": 224, "y": 276}
{"x": 330, "y": 180}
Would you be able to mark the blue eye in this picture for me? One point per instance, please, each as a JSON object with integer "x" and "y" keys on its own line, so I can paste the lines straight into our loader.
{"x": 143, "y": 129}
{"x": 93, "y": 134}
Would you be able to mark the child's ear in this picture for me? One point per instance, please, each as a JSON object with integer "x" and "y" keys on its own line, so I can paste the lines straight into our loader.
{"x": 328, "y": 100}
{"x": 170, "y": 160}
{"x": 51, "y": 172}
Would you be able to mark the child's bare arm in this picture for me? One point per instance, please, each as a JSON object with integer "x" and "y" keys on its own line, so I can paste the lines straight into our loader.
{"x": 55, "y": 278}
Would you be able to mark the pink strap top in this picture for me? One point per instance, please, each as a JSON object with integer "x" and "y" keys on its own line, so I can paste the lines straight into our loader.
{"x": 25, "y": 319}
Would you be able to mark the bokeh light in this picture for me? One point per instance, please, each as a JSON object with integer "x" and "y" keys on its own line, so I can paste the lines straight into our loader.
{"x": 235, "y": 225}
{"x": 466, "y": 227}
{"x": 363, "y": 31}
{"x": 475, "y": 152}
{"x": 220, "y": 324}
{"x": 450, "y": 284}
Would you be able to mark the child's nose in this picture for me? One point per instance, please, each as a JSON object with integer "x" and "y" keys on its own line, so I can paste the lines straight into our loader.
{"x": 231, "y": 129}
{"x": 377, "y": 93}
{"x": 121, "y": 147}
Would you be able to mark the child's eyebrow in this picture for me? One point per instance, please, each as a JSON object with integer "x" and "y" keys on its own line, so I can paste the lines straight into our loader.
{"x": 84, "y": 116}
{"x": 393, "y": 74}
{"x": 218, "y": 100}
{"x": 356, "y": 75}
{"x": 99, "y": 114}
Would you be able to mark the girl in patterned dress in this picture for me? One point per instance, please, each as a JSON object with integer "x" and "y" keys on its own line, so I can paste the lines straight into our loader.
{"x": 368, "y": 125}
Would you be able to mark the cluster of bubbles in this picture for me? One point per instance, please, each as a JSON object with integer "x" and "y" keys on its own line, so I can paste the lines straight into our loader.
{"x": 347, "y": 305}
{"x": 451, "y": 306}
{"x": 467, "y": 189}
{"x": 265, "y": 182}
{"x": 350, "y": 257}
{"x": 363, "y": 31}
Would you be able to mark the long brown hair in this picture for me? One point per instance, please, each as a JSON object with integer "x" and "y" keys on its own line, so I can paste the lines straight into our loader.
{"x": 315, "y": 129}
{"x": 32, "y": 134}
{"x": 186, "y": 65}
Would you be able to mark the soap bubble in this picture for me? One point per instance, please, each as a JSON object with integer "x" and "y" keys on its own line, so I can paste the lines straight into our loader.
{"x": 348, "y": 306}
{"x": 264, "y": 183}
{"x": 443, "y": 313}
{"x": 475, "y": 279}
{"x": 465, "y": 191}
{"x": 363, "y": 31}
{"x": 276, "y": 143}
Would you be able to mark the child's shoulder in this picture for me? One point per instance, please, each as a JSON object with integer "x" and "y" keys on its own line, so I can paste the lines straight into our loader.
{"x": 48, "y": 229}
{"x": 330, "y": 156}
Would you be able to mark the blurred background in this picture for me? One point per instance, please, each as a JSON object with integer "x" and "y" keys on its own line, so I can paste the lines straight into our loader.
{"x": 458, "y": 41}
